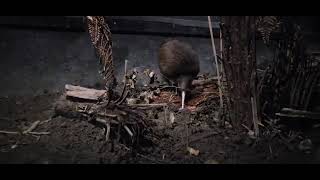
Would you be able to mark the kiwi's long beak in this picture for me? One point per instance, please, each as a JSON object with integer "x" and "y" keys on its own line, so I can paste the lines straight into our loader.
{"x": 183, "y": 99}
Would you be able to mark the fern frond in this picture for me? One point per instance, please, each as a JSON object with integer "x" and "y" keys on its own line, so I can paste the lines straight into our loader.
{"x": 266, "y": 25}
{"x": 100, "y": 35}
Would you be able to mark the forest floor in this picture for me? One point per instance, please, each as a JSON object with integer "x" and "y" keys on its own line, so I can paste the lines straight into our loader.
{"x": 193, "y": 138}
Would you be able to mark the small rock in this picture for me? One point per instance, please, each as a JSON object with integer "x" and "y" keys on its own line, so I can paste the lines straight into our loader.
{"x": 228, "y": 125}
{"x": 14, "y": 146}
{"x": 251, "y": 135}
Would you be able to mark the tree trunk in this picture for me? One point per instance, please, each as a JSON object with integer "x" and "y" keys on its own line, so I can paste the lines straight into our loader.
{"x": 239, "y": 62}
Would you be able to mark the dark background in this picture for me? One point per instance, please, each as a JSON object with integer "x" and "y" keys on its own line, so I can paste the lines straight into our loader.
{"x": 41, "y": 53}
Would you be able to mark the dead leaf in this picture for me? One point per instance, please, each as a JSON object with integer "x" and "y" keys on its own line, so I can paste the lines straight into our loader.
{"x": 193, "y": 151}
{"x": 146, "y": 72}
{"x": 151, "y": 74}
{"x": 157, "y": 92}
{"x": 146, "y": 96}
{"x": 131, "y": 83}
{"x": 131, "y": 101}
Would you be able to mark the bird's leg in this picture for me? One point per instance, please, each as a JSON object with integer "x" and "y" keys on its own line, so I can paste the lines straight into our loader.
{"x": 183, "y": 99}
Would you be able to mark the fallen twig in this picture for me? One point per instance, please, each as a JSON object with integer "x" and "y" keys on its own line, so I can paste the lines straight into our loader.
{"x": 128, "y": 130}
{"x": 101, "y": 121}
{"x": 32, "y": 127}
{"x": 32, "y": 133}
{"x": 108, "y": 131}
{"x": 9, "y": 132}
{"x": 42, "y": 122}
{"x": 149, "y": 105}
{"x": 39, "y": 133}
{"x": 255, "y": 116}
{"x": 293, "y": 113}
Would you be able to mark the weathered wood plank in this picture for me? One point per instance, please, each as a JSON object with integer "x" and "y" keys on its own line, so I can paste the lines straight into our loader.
{"x": 83, "y": 93}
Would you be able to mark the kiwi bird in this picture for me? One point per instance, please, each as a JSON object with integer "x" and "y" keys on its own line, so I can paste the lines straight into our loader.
{"x": 179, "y": 63}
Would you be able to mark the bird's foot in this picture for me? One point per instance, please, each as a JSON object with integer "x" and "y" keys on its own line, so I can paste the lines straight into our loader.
{"x": 183, "y": 110}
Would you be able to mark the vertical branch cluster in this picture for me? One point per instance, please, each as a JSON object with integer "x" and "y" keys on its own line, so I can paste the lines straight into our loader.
{"x": 290, "y": 80}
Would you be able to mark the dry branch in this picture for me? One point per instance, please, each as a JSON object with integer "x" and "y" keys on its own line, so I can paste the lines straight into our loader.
{"x": 216, "y": 62}
{"x": 111, "y": 116}
{"x": 293, "y": 113}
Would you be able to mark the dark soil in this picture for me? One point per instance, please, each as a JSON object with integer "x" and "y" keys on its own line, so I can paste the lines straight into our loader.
{"x": 77, "y": 141}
